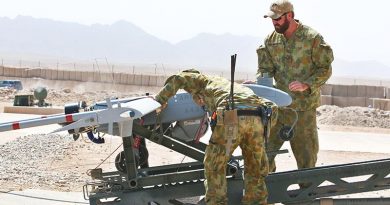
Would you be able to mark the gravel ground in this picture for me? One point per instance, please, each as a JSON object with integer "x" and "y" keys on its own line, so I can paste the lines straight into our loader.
{"x": 353, "y": 116}
{"x": 57, "y": 162}
{"x": 24, "y": 162}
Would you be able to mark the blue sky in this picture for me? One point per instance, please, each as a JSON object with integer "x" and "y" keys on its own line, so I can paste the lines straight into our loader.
{"x": 357, "y": 30}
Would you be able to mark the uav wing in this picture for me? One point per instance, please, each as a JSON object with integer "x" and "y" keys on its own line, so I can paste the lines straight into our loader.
{"x": 123, "y": 113}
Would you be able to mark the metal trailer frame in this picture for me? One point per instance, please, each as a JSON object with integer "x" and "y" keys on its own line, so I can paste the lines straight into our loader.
{"x": 166, "y": 185}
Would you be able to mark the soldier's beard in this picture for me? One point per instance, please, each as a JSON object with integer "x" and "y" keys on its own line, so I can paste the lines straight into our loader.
{"x": 282, "y": 28}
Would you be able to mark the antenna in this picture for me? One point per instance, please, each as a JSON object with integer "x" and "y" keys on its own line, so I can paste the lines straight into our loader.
{"x": 232, "y": 69}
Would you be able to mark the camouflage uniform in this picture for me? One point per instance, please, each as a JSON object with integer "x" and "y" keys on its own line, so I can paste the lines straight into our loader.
{"x": 304, "y": 57}
{"x": 246, "y": 132}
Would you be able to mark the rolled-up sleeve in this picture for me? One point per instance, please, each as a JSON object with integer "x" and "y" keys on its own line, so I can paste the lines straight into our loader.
{"x": 171, "y": 86}
{"x": 190, "y": 82}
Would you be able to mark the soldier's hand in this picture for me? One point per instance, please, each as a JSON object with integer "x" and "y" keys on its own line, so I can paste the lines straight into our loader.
{"x": 297, "y": 86}
{"x": 198, "y": 100}
{"x": 163, "y": 106}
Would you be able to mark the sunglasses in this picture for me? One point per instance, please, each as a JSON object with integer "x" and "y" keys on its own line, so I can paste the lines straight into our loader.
{"x": 278, "y": 19}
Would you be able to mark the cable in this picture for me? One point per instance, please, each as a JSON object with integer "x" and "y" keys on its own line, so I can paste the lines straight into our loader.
{"x": 44, "y": 198}
{"x": 89, "y": 170}
{"x": 286, "y": 132}
{"x": 296, "y": 119}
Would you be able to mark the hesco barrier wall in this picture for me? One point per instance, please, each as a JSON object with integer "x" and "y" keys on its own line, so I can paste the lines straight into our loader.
{"x": 340, "y": 95}
{"x": 356, "y": 95}
{"x": 84, "y": 76}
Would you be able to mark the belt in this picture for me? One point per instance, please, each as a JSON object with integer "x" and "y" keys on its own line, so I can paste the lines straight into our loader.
{"x": 248, "y": 113}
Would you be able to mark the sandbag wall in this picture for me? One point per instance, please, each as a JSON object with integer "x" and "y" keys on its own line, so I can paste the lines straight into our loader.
{"x": 356, "y": 95}
{"x": 84, "y": 76}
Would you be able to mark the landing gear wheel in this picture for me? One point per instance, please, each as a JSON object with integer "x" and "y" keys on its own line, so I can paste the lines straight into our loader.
{"x": 120, "y": 162}
{"x": 286, "y": 133}
{"x": 141, "y": 159}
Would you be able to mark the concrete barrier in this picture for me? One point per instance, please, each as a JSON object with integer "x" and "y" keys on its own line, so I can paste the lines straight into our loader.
{"x": 86, "y": 76}
{"x": 326, "y": 100}
{"x": 145, "y": 80}
{"x": 34, "y": 72}
{"x": 326, "y": 89}
{"x": 12, "y": 72}
{"x": 54, "y": 74}
{"x": 340, "y": 90}
{"x": 43, "y": 73}
{"x": 137, "y": 79}
{"x": 349, "y": 101}
{"x": 66, "y": 75}
{"x": 340, "y": 95}
{"x": 358, "y": 91}
{"x": 339, "y": 101}
{"x": 60, "y": 74}
{"x": 352, "y": 91}
{"x": 96, "y": 77}
{"x": 130, "y": 79}
{"x": 357, "y": 101}
{"x": 152, "y": 80}
{"x": 369, "y": 102}
{"x": 72, "y": 75}
{"x": 361, "y": 91}
{"x": 117, "y": 78}
{"x": 382, "y": 104}
{"x": 37, "y": 72}
{"x": 7, "y": 72}
{"x": 47, "y": 74}
{"x": 19, "y": 72}
{"x": 79, "y": 76}
{"x": 123, "y": 79}
{"x": 375, "y": 92}
{"x": 161, "y": 80}
{"x": 25, "y": 73}
{"x": 106, "y": 77}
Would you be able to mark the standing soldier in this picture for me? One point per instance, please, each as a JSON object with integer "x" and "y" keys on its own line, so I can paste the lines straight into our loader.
{"x": 299, "y": 60}
{"x": 238, "y": 127}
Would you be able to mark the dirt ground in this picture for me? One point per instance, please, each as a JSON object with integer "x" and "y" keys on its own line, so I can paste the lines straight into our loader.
{"x": 67, "y": 170}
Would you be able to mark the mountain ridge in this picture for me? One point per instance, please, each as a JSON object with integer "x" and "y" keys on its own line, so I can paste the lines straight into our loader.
{"x": 124, "y": 42}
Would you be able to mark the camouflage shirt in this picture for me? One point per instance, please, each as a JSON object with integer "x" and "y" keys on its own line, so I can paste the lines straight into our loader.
{"x": 304, "y": 57}
{"x": 214, "y": 90}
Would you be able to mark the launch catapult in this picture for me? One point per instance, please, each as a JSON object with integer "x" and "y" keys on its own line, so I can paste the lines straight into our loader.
{"x": 179, "y": 128}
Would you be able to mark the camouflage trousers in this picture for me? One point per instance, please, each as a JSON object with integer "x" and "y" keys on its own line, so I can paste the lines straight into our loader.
{"x": 248, "y": 134}
{"x": 304, "y": 144}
